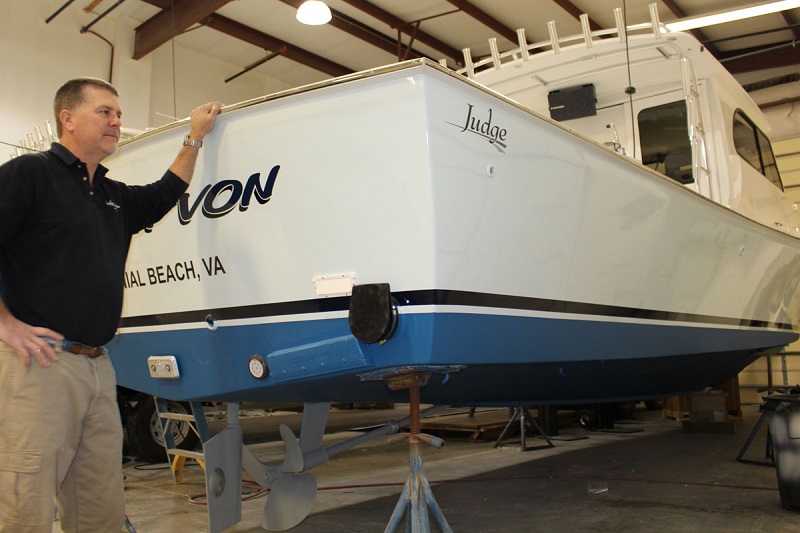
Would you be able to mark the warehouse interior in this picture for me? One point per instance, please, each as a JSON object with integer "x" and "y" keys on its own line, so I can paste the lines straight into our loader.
{"x": 695, "y": 462}
{"x": 647, "y": 474}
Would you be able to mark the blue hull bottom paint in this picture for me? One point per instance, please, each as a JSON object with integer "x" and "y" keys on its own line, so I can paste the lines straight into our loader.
{"x": 509, "y": 359}
{"x": 534, "y": 384}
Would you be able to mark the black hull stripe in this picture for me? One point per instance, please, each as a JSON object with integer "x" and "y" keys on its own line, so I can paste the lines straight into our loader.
{"x": 441, "y": 297}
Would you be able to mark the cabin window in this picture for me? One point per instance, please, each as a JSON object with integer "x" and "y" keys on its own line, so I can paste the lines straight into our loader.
{"x": 664, "y": 138}
{"x": 754, "y": 147}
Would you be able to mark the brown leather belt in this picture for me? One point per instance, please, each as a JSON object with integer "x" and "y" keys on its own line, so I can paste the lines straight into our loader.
{"x": 81, "y": 349}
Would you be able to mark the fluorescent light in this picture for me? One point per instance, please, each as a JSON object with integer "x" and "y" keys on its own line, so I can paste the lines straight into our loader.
{"x": 729, "y": 16}
{"x": 314, "y": 13}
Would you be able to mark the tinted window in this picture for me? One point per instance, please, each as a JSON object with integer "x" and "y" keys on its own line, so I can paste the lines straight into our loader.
{"x": 755, "y": 148}
{"x": 768, "y": 160}
{"x": 744, "y": 139}
{"x": 664, "y": 138}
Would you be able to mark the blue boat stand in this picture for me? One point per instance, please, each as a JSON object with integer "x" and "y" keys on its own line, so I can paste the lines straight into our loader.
{"x": 417, "y": 499}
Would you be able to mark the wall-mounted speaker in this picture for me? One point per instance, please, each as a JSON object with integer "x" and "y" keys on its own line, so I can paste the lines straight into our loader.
{"x": 573, "y": 102}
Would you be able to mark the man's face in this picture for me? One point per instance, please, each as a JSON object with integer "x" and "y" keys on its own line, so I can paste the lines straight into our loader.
{"x": 95, "y": 124}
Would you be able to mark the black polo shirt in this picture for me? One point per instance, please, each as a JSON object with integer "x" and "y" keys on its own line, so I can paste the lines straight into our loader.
{"x": 63, "y": 244}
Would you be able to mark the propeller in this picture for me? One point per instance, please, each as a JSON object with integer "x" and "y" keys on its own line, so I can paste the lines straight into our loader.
{"x": 292, "y": 493}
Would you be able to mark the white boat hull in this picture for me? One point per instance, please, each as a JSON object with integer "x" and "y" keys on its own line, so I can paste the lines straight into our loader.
{"x": 555, "y": 270}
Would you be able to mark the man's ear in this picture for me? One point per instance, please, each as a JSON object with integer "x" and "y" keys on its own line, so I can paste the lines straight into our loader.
{"x": 66, "y": 117}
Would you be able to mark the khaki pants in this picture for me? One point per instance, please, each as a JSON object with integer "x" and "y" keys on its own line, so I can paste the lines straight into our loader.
{"x": 60, "y": 439}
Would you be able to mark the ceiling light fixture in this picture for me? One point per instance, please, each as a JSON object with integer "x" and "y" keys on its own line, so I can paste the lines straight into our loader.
{"x": 729, "y": 16}
{"x": 314, "y": 13}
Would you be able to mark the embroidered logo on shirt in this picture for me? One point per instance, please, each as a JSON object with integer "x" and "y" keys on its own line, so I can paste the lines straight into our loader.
{"x": 112, "y": 205}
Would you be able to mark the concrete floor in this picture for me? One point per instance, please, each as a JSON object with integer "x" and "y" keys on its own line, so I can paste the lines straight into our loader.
{"x": 657, "y": 479}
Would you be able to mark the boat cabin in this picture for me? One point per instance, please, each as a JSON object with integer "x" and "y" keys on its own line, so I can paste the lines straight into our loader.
{"x": 654, "y": 96}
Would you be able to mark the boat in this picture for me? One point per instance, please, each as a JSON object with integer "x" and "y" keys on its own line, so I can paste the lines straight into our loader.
{"x": 555, "y": 268}
{"x": 594, "y": 218}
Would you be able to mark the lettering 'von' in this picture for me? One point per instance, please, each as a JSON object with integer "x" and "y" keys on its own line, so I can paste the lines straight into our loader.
{"x": 221, "y": 198}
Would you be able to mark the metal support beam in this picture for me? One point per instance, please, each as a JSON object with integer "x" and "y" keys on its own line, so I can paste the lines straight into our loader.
{"x": 361, "y": 31}
{"x": 791, "y": 22}
{"x": 268, "y": 42}
{"x": 771, "y": 56}
{"x": 397, "y": 23}
{"x": 253, "y": 65}
{"x": 576, "y": 12}
{"x": 699, "y": 35}
{"x": 257, "y": 38}
{"x": 486, "y": 19}
{"x": 101, "y": 16}
{"x": 58, "y": 11}
{"x": 171, "y": 21}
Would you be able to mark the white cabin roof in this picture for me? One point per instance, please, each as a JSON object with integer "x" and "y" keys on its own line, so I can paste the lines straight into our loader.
{"x": 649, "y": 63}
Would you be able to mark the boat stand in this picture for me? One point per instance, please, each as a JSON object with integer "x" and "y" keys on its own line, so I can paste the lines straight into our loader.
{"x": 417, "y": 499}
{"x": 525, "y": 420}
{"x": 767, "y": 452}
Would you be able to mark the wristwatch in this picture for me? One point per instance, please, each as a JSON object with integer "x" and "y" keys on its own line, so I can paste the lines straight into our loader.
{"x": 190, "y": 142}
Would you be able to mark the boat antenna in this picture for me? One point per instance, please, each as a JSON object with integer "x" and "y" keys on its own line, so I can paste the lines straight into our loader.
{"x": 630, "y": 90}
{"x": 174, "y": 80}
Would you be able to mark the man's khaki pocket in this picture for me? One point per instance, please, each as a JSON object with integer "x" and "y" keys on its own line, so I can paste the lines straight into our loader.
{"x": 20, "y": 487}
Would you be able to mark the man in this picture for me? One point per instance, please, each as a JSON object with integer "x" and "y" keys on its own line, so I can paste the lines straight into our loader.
{"x": 65, "y": 229}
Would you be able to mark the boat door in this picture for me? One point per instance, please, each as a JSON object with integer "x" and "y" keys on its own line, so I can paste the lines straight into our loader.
{"x": 668, "y": 136}
{"x": 670, "y": 139}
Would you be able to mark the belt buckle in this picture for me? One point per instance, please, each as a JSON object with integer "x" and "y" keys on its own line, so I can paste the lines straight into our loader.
{"x": 91, "y": 352}
{"x": 99, "y": 352}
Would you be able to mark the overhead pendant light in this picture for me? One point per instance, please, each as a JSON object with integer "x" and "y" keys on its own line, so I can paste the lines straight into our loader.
{"x": 730, "y": 16}
{"x": 314, "y": 13}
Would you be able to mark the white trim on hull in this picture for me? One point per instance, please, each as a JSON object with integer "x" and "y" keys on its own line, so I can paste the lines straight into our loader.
{"x": 322, "y": 354}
